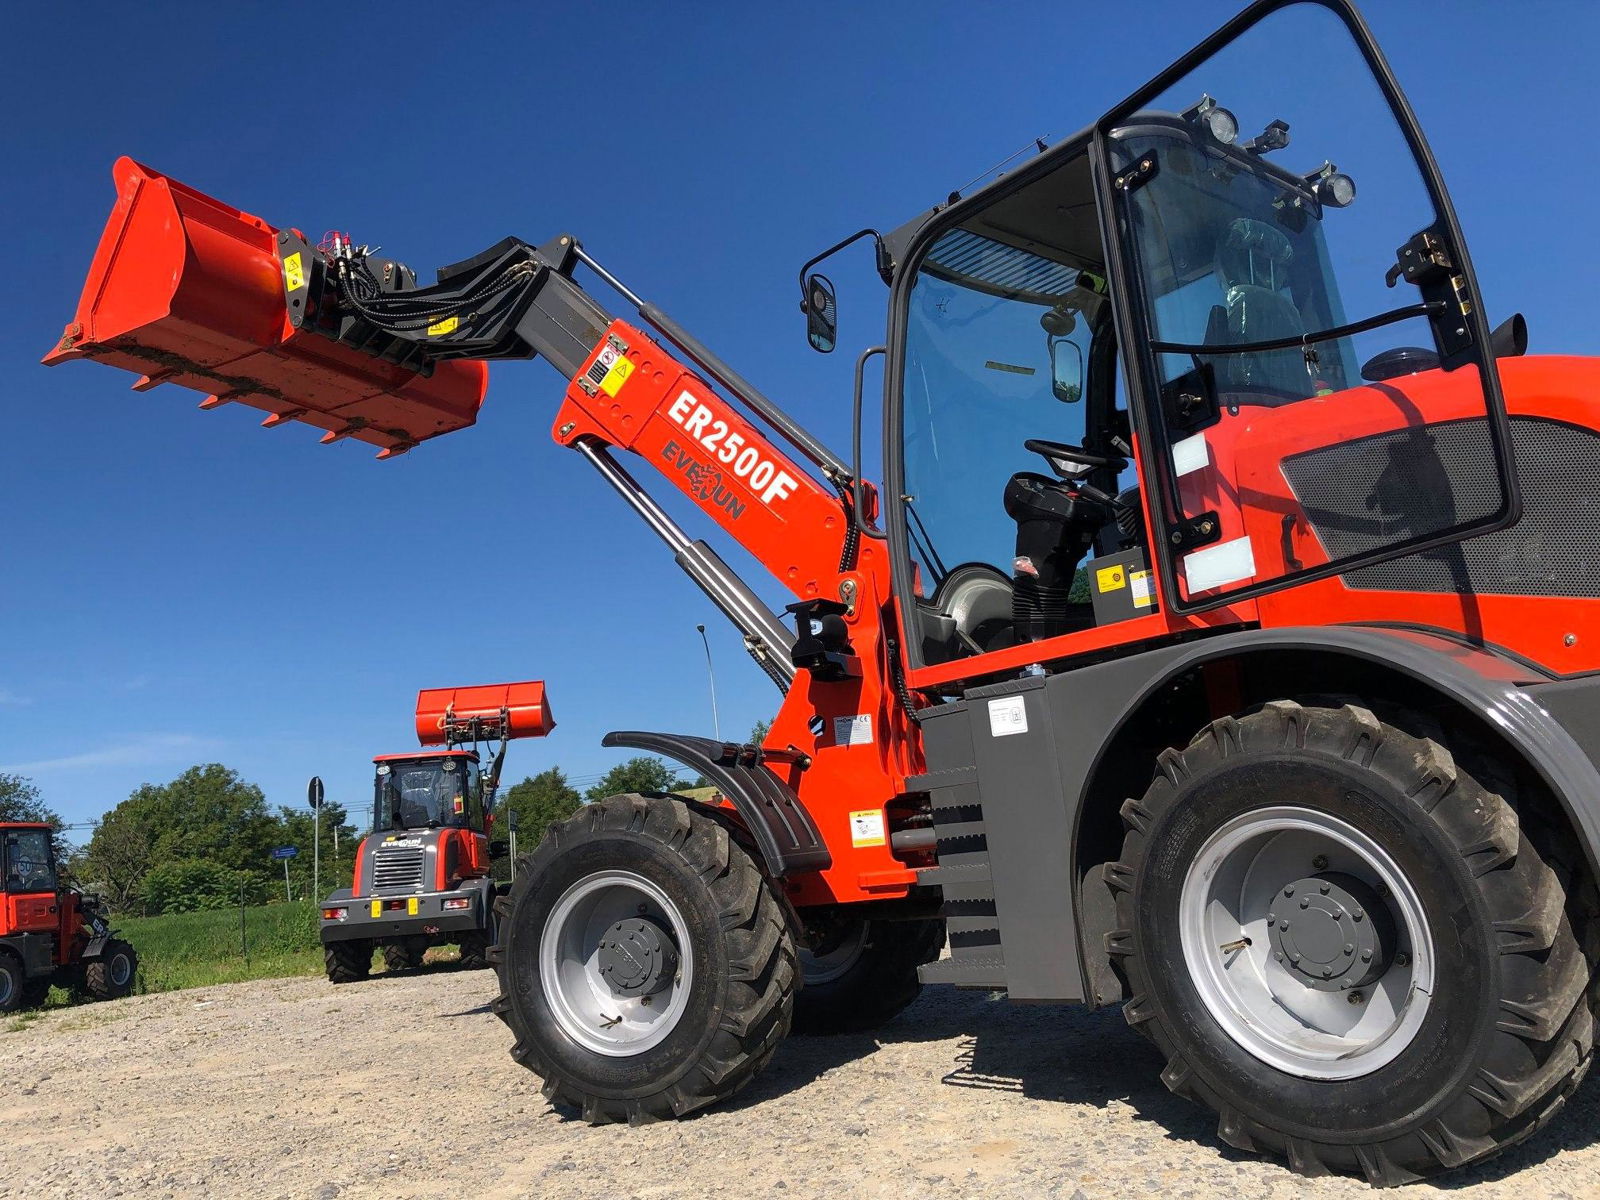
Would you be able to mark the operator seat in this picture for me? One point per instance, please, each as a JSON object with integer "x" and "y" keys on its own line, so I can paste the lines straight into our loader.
{"x": 1254, "y": 262}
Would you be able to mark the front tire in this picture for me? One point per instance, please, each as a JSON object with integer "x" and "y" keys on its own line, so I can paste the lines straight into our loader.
{"x": 1417, "y": 999}
{"x": 404, "y": 955}
{"x": 644, "y": 963}
{"x": 864, "y": 974}
{"x": 111, "y": 976}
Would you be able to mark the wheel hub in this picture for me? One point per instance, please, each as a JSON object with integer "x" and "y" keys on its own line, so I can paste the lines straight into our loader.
{"x": 637, "y": 958}
{"x": 1332, "y": 931}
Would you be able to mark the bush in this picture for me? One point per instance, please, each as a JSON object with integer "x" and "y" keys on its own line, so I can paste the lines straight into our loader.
{"x": 197, "y": 885}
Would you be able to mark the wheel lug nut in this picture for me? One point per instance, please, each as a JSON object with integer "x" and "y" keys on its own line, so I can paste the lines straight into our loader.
{"x": 1271, "y": 917}
{"x": 1357, "y": 915}
{"x": 1289, "y": 891}
{"x": 1280, "y": 955}
{"x": 1366, "y": 956}
{"x": 1325, "y": 888}
{"x": 1305, "y": 902}
{"x": 1327, "y": 972}
{"x": 1349, "y": 949}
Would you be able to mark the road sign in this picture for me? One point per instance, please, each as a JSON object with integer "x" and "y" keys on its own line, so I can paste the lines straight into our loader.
{"x": 286, "y": 852}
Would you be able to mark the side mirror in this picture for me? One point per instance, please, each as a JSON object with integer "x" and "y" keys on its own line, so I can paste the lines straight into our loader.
{"x": 314, "y": 792}
{"x": 499, "y": 849}
{"x": 1066, "y": 370}
{"x": 822, "y": 314}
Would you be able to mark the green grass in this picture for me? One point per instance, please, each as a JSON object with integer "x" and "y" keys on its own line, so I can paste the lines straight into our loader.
{"x": 187, "y": 950}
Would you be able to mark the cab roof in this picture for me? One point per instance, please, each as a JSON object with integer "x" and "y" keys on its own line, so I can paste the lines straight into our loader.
{"x": 25, "y": 825}
{"x": 416, "y": 754}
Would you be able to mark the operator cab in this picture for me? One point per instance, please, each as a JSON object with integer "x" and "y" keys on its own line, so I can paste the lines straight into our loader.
{"x": 1165, "y": 365}
{"x": 428, "y": 790}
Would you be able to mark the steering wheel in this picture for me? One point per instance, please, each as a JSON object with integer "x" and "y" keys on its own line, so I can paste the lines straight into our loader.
{"x": 1055, "y": 453}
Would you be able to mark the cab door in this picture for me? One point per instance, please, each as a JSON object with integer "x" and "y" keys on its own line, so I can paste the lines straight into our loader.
{"x": 1312, "y": 381}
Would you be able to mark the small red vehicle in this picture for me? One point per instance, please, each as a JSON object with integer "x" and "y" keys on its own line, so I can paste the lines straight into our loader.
{"x": 50, "y": 933}
{"x": 423, "y": 874}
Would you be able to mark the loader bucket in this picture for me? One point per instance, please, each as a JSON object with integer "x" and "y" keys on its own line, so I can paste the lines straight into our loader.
{"x": 184, "y": 289}
{"x": 495, "y": 710}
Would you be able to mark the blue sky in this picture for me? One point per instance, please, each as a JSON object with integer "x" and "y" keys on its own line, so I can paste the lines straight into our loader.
{"x": 186, "y": 587}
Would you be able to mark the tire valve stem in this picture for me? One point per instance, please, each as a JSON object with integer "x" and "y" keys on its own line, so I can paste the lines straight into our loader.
{"x": 1356, "y": 997}
{"x": 1234, "y": 946}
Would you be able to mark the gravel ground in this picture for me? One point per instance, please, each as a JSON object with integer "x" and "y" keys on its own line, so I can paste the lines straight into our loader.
{"x": 402, "y": 1087}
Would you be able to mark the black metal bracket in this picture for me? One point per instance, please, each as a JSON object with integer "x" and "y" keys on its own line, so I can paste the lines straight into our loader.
{"x": 1141, "y": 173}
{"x": 1195, "y": 531}
{"x": 1189, "y": 402}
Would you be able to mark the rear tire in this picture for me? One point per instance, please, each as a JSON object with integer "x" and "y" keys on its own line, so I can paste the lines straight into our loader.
{"x": 111, "y": 976}
{"x": 405, "y": 955}
{"x": 1491, "y": 1028}
{"x": 865, "y": 976}
{"x": 11, "y": 982}
{"x": 700, "y": 975}
{"x": 348, "y": 961}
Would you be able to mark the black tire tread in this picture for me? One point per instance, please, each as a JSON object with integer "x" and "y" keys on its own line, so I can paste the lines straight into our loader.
{"x": 1543, "y": 910}
{"x": 763, "y": 974}
{"x": 347, "y": 962}
{"x": 404, "y": 955}
{"x": 18, "y": 997}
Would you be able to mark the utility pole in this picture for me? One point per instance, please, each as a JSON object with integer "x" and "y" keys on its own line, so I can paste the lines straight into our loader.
{"x": 711, "y": 678}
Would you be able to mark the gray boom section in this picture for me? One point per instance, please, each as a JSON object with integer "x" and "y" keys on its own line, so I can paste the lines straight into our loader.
{"x": 766, "y": 637}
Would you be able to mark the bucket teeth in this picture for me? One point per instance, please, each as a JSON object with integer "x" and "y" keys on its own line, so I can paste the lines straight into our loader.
{"x": 273, "y": 420}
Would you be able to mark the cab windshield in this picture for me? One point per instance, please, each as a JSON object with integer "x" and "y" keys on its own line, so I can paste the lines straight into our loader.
{"x": 29, "y": 865}
{"x": 1230, "y": 250}
{"x": 427, "y": 793}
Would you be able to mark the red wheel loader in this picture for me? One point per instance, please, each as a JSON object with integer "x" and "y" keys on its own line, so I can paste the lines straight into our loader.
{"x": 422, "y": 876}
{"x": 52, "y": 934}
{"x": 1222, "y": 643}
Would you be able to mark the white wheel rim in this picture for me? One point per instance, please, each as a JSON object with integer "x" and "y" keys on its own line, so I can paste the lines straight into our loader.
{"x": 8, "y": 985}
{"x": 121, "y": 970}
{"x": 1237, "y": 880}
{"x": 587, "y": 1008}
{"x": 817, "y": 969}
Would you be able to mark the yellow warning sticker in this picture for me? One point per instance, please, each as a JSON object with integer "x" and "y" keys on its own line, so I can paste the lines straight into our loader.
{"x": 411, "y": 905}
{"x": 1109, "y": 579}
{"x": 1144, "y": 593}
{"x": 440, "y": 328}
{"x": 866, "y": 828}
{"x": 294, "y": 272}
{"x": 377, "y": 908}
{"x": 616, "y": 377}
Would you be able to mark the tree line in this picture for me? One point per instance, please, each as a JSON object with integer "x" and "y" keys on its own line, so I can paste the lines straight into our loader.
{"x": 204, "y": 840}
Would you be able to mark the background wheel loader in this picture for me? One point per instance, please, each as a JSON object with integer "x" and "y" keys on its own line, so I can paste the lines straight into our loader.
{"x": 52, "y": 934}
{"x": 1222, "y": 643}
{"x": 422, "y": 876}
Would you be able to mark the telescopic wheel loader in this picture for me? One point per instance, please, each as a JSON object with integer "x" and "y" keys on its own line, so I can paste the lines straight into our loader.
{"x": 422, "y": 876}
{"x": 1224, "y": 642}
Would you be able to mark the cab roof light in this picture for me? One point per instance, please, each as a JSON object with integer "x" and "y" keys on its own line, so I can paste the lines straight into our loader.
{"x": 1214, "y": 119}
{"x": 1332, "y": 186}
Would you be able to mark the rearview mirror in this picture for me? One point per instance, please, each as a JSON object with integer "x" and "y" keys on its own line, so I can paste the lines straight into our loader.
{"x": 822, "y": 314}
{"x": 499, "y": 849}
{"x": 1066, "y": 370}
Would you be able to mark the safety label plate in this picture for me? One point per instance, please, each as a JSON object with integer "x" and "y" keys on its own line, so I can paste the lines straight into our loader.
{"x": 866, "y": 828}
